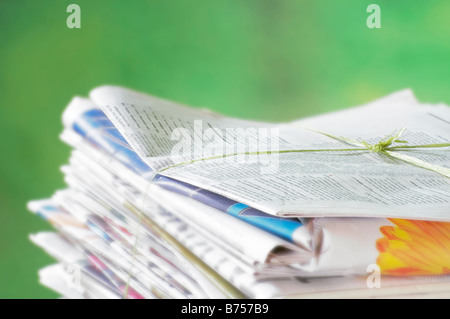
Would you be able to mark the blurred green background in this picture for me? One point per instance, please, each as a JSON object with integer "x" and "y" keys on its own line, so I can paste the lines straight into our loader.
{"x": 271, "y": 60}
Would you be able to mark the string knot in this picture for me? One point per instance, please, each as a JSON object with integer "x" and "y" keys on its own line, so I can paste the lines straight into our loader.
{"x": 385, "y": 143}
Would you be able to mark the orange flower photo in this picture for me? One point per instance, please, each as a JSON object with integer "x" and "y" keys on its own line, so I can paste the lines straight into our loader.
{"x": 414, "y": 247}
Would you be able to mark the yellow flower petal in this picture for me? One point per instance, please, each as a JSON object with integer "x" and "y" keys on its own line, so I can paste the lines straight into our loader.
{"x": 414, "y": 247}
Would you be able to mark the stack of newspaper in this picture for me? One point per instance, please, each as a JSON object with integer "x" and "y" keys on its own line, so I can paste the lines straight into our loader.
{"x": 168, "y": 201}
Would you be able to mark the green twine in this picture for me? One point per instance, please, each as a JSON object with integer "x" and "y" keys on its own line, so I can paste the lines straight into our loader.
{"x": 384, "y": 146}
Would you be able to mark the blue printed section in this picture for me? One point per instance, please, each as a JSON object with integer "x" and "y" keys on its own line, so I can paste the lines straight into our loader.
{"x": 206, "y": 197}
{"x": 98, "y": 231}
{"x": 95, "y": 126}
{"x": 282, "y": 227}
{"x": 46, "y": 211}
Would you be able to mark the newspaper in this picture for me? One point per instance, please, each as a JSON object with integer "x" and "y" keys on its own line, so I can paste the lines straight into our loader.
{"x": 137, "y": 221}
{"x": 300, "y": 184}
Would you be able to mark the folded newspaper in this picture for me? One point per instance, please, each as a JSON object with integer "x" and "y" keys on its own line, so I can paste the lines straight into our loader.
{"x": 168, "y": 201}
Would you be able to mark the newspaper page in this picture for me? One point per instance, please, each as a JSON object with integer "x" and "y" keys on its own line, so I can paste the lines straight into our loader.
{"x": 307, "y": 184}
